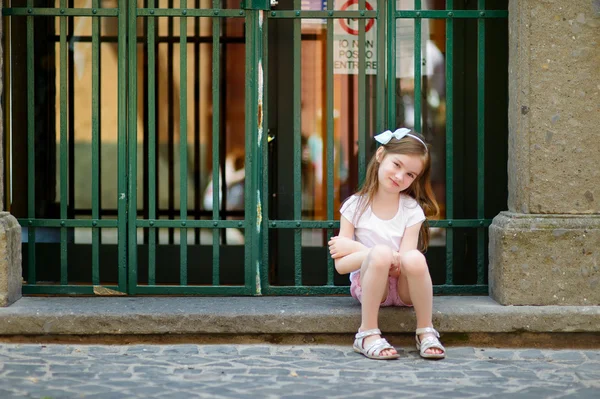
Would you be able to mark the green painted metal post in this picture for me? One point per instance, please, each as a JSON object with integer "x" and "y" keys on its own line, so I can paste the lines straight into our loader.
{"x": 129, "y": 16}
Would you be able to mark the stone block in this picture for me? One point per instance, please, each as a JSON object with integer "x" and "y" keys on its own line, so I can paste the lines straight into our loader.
{"x": 554, "y": 107}
{"x": 545, "y": 259}
{"x": 10, "y": 259}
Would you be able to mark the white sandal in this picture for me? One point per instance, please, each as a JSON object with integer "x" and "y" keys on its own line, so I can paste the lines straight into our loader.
{"x": 429, "y": 342}
{"x": 373, "y": 351}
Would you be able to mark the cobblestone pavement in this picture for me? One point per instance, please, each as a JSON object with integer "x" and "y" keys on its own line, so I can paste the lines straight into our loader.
{"x": 285, "y": 371}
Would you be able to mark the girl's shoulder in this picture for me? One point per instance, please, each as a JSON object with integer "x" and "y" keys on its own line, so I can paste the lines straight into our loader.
{"x": 408, "y": 202}
{"x": 350, "y": 203}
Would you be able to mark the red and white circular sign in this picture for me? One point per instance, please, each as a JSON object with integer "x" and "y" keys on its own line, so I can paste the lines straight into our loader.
{"x": 350, "y": 25}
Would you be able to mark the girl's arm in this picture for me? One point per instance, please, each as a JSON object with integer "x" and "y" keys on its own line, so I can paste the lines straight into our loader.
{"x": 348, "y": 254}
{"x": 410, "y": 239}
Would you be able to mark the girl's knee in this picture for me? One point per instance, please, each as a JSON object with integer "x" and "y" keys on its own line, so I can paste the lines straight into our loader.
{"x": 413, "y": 262}
{"x": 381, "y": 256}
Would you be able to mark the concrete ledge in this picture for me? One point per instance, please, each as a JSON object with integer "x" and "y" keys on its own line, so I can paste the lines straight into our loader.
{"x": 276, "y": 315}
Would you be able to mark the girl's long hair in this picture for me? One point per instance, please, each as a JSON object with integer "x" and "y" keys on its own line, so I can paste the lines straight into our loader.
{"x": 420, "y": 189}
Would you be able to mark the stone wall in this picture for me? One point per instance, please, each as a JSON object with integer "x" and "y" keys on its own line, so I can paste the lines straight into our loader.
{"x": 554, "y": 148}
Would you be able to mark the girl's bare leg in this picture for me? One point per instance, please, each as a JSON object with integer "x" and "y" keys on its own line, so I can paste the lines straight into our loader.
{"x": 374, "y": 282}
{"x": 415, "y": 287}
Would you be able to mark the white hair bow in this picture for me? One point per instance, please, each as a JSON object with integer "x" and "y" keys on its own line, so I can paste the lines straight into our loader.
{"x": 386, "y": 136}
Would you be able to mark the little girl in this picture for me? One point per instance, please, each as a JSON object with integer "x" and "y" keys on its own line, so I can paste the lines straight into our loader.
{"x": 381, "y": 238}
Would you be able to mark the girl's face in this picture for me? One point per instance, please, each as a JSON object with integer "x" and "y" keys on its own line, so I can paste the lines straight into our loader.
{"x": 397, "y": 171}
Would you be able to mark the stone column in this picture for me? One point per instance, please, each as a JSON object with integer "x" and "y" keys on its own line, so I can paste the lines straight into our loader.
{"x": 10, "y": 231}
{"x": 546, "y": 249}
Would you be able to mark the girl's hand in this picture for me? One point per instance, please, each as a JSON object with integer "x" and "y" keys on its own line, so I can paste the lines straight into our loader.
{"x": 396, "y": 263}
{"x": 341, "y": 246}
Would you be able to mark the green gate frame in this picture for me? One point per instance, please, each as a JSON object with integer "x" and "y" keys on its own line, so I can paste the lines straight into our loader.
{"x": 256, "y": 224}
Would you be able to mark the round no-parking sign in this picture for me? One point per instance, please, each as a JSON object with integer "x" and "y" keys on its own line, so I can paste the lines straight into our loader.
{"x": 350, "y": 25}
{"x": 347, "y": 52}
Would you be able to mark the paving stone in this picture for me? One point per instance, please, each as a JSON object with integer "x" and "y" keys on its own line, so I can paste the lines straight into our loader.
{"x": 268, "y": 371}
{"x": 532, "y": 354}
{"x": 256, "y": 351}
{"x": 574, "y": 356}
{"x": 220, "y": 350}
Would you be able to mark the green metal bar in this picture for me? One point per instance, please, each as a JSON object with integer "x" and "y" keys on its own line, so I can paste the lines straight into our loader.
{"x": 330, "y": 142}
{"x": 231, "y": 13}
{"x": 229, "y": 290}
{"x": 408, "y": 14}
{"x": 380, "y": 78}
{"x": 129, "y": 9}
{"x": 191, "y": 223}
{"x": 480, "y": 143}
{"x": 64, "y": 166}
{"x": 216, "y": 117}
{"x": 143, "y": 290}
{"x": 262, "y": 279}
{"x": 192, "y": 12}
{"x": 301, "y": 14}
{"x": 450, "y": 13}
{"x": 297, "y": 104}
{"x": 95, "y": 146}
{"x": 63, "y": 289}
{"x": 309, "y": 290}
{"x": 331, "y": 224}
{"x": 253, "y": 125}
{"x": 69, "y": 223}
{"x": 152, "y": 145}
{"x": 417, "y": 77}
{"x": 362, "y": 97}
{"x": 59, "y": 12}
{"x": 449, "y": 144}
{"x": 345, "y": 290}
{"x": 31, "y": 272}
{"x": 183, "y": 175}
{"x": 221, "y": 224}
{"x": 391, "y": 65}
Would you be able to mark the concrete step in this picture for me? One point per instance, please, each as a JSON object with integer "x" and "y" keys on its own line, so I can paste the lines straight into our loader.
{"x": 276, "y": 315}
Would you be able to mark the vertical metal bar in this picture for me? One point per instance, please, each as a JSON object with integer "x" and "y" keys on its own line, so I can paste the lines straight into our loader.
{"x": 151, "y": 35}
{"x": 95, "y": 147}
{"x": 480, "y": 142}
{"x": 216, "y": 119}
{"x": 263, "y": 238}
{"x": 449, "y": 144}
{"x": 380, "y": 79}
{"x": 197, "y": 164}
{"x": 297, "y": 129}
{"x": 145, "y": 133}
{"x": 253, "y": 127}
{"x": 330, "y": 132}
{"x": 64, "y": 185}
{"x": 171, "y": 125}
{"x": 417, "y": 77}
{"x": 71, "y": 116}
{"x": 183, "y": 170}
{"x": 391, "y": 65}
{"x": 99, "y": 99}
{"x": 31, "y": 275}
{"x": 362, "y": 96}
{"x": 129, "y": 99}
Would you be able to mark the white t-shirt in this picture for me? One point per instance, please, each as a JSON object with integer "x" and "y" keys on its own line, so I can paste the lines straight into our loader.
{"x": 370, "y": 230}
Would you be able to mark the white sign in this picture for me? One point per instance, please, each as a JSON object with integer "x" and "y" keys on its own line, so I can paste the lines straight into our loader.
{"x": 347, "y": 51}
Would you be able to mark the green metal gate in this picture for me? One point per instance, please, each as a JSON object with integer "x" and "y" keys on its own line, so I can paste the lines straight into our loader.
{"x": 137, "y": 267}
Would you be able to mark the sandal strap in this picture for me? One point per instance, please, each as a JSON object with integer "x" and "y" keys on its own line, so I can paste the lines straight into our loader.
{"x": 427, "y": 330}
{"x": 431, "y": 342}
{"x": 377, "y": 346}
{"x": 367, "y": 333}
